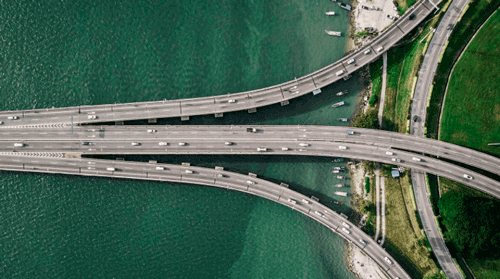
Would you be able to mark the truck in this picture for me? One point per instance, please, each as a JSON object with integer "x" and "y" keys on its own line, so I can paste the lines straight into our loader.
{"x": 252, "y": 130}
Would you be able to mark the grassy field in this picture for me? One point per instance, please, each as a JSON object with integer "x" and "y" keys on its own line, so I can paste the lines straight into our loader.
{"x": 471, "y": 113}
{"x": 403, "y": 5}
{"x": 485, "y": 269}
{"x": 403, "y": 64}
{"x": 478, "y": 12}
{"x": 446, "y": 185}
{"x": 404, "y": 236}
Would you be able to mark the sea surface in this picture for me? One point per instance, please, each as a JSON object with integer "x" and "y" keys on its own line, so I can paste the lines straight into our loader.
{"x": 67, "y": 53}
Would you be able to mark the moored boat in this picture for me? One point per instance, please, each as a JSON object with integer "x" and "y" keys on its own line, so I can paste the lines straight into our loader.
{"x": 344, "y": 6}
{"x": 343, "y": 119}
{"x": 342, "y": 93}
{"x": 344, "y": 194}
{"x": 330, "y": 13}
{"x": 340, "y": 185}
{"x": 339, "y": 104}
{"x": 333, "y": 33}
{"x": 340, "y": 177}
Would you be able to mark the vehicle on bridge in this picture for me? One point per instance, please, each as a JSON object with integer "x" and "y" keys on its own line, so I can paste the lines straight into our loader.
{"x": 251, "y": 182}
{"x": 389, "y": 153}
{"x": 92, "y": 116}
{"x": 152, "y": 131}
{"x": 285, "y": 148}
{"x": 162, "y": 143}
{"x": 388, "y": 260}
{"x": 362, "y": 241}
{"x": 182, "y": 143}
{"x": 346, "y": 225}
{"x": 349, "y": 132}
{"x": 343, "y": 147}
{"x": 110, "y": 169}
{"x": 346, "y": 231}
{"x": 468, "y": 176}
{"x": 416, "y": 159}
{"x": 319, "y": 213}
{"x": 339, "y": 73}
{"x": 252, "y": 130}
{"x": 229, "y": 143}
{"x": 160, "y": 168}
{"x": 232, "y": 101}
{"x": 17, "y": 144}
{"x": 263, "y": 149}
{"x": 135, "y": 143}
{"x": 304, "y": 144}
{"x": 13, "y": 117}
{"x": 292, "y": 201}
{"x": 367, "y": 51}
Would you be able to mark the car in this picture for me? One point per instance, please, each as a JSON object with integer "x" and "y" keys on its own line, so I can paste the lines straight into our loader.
{"x": 160, "y": 168}
{"x": 152, "y": 131}
{"x": 380, "y": 48}
{"x": 412, "y": 17}
{"x": 396, "y": 160}
{"x": 362, "y": 241}
{"x": 182, "y": 143}
{"x": 468, "y": 176}
{"x": 261, "y": 149}
{"x": 367, "y": 51}
{"x": 319, "y": 213}
{"x": 228, "y": 143}
{"x": 415, "y": 118}
{"x": 220, "y": 175}
{"x": 306, "y": 201}
{"x": 110, "y": 169}
{"x": 388, "y": 260}
{"x": 389, "y": 153}
{"x": 292, "y": 201}
{"x": 91, "y": 116}
{"x": 189, "y": 171}
{"x": 416, "y": 159}
{"x": 86, "y": 143}
{"x": 346, "y": 230}
{"x": 449, "y": 27}
{"x": 391, "y": 17}
{"x": 304, "y": 144}
{"x": 343, "y": 147}
{"x": 285, "y": 148}
{"x": 17, "y": 144}
{"x": 12, "y": 117}
{"x": 1, "y": 122}
{"x": 346, "y": 225}
{"x": 232, "y": 101}
{"x": 135, "y": 144}
{"x": 365, "y": 7}
{"x": 351, "y": 61}
{"x": 163, "y": 143}
{"x": 91, "y": 163}
{"x": 349, "y": 132}
{"x": 339, "y": 73}
{"x": 250, "y": 182}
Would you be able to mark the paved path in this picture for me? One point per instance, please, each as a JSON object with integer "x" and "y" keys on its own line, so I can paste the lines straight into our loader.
{"x": 419, "y": 107}
{"x": 377, "y": 203}
{"x": 382, "y": 93}
{"x": 382, "y": 209}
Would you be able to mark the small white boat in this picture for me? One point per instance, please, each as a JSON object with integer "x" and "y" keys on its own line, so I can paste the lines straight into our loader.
{"x": 336, "y": 105}
{"x": 340, "y": 185}
{"x": 343, "y": 119}
{"x": 333, "y": 33}
{"x": 344, "y": 194}
{"x": 340, "y": 177}
{"x": 342, "y": 93}
{"x": 330, "y": 13}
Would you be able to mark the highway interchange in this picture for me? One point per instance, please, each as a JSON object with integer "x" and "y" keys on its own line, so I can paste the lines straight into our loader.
{"x": 30, "y": 129}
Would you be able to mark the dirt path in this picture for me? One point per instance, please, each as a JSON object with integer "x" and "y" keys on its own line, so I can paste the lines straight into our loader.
{"x": 382, "y": 210}
{"x": 382, "y": 93}
{"x": 377, "y": 202}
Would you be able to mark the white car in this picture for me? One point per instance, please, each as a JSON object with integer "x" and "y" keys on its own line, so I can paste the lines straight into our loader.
{"x": 389, "y": 153}
{"x": 380, "y": 48}
{"x": 189, "y": 171}
{"x": 319, "y": 213}
{"x": 182, "y": 143}
{"x": 346, "y": 225}
{"x": 346, "y": 231}
{"x": 292, "y": 201}
{"x": 135, "y": 144}
{"x": 1, "y": 122}
{"x": 220, "y": 175}
{"x": 152, "y": 131}
{"x": 367, "y": 51}
{"x": 92, "y": 116}
{"x": 12, "y": 117}
{"x": 285, "y": 148}
{"x": 351, "y": 61}
{"x": 362, "y": 241}
{"x": 250, "y": 182}
{"x": 391, "y": 17}
{"x": 343, "y": 147}
{"x": 261, "y": 149}
{"x": 468, "y": 176}
{"x": 160, "y": 168}
{"x": 228, "y": 143}
{"x": 306, "y": 201}
{"x": 110, "y": 169}
{"x": 388, "y": 260}
{"x": 162, "y": 143}
{"x": 416, "y": 159}
{"x": 304, "y": 144}
{"x": 232, "y": 101}
{"x": 18, "y": 144}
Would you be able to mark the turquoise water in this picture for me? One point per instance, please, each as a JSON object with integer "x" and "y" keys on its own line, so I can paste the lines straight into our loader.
{"x": 64, "y": 53}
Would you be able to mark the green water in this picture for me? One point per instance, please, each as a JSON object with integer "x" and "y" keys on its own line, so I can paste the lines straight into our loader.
{"x": 65, "y": 53}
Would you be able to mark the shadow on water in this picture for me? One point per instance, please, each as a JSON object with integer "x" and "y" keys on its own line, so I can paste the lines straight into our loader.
{"x": 245, "y": 164}
{"x": 297, "y": 106}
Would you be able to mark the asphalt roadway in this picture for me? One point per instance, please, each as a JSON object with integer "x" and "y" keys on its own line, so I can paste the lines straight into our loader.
{"x": 419, "y": 110}
{"x": 218, "y": 105}
{"x": 217, "y": 178}
{"x": 365, "y": 144}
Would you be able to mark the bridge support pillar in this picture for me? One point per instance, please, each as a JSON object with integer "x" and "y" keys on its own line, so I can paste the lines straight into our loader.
{"x": 252, "y": 110}
{"x": 119, "y": 123}
{"x": 219, "y": 115}
{"x": 184, "y": 118}
{"x": 284, "y": 103}
{"x": 152, "y": 120}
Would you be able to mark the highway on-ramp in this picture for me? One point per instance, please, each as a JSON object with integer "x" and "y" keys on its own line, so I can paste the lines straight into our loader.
{"x": 216, "y": 178}
{"x": 218, "y": 105}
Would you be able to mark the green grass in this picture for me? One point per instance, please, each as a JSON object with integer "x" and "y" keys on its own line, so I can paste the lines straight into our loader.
{"x": 446, "y": 185}
{"x": 404, "y": 237}
{"x": 367, "y": 185}
{"x": 402, "y": 68}
{"x": 485, "y": 269}
{"x": 376, "y": 76}
{"x": 471, "y": 113}
{"x": 478, "y": 12}
{"x": 403, "y": 5}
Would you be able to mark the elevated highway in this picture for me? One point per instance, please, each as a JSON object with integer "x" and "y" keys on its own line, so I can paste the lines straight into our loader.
{"x": 215, "y": 178}
{"x": 364, "y": 144}
{"x": 218, "y": 105}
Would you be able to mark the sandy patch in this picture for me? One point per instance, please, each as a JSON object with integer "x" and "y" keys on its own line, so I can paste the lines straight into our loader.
{"x": 363, "y": 266}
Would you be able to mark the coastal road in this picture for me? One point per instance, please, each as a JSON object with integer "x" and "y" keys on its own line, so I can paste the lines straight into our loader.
{"x": 216, "y": 178}
{"x": 218, "y": 105}
{"x": 418, "y": 113}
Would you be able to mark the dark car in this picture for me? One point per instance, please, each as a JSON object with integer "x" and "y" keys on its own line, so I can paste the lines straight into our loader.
{"x": 415, "y": 118}
{"x": 412, "y": 16}
{"x": 450, "y": 26}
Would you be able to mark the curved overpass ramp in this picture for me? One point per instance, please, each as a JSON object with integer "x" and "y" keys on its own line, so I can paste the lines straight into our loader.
{"x": 249, "y": 100}
{"x": 215, "y": 178}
